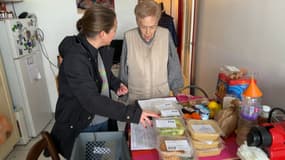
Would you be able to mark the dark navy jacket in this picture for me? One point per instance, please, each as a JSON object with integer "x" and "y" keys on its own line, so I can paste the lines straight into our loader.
{"x": 79, "y": 92}
{"x": 166, "y": 21}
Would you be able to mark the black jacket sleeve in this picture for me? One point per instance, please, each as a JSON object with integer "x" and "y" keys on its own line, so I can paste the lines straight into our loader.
{"x": 79, "y": 77}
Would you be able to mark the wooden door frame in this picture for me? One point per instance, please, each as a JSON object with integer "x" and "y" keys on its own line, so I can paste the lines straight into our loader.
{"x": 190, "y": 77}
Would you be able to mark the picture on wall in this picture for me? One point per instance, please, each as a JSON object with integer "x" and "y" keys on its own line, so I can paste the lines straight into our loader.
{"x": 84, "y": 4}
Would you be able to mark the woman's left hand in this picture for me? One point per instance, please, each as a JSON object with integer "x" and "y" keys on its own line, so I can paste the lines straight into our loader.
{"x": 122, "y": 90}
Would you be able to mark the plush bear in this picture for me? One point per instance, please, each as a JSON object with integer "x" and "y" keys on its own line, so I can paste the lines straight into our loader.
{"x": 5, "y": 128}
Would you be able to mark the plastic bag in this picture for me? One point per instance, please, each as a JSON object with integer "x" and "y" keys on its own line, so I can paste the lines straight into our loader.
{"x": 227, "y": 120}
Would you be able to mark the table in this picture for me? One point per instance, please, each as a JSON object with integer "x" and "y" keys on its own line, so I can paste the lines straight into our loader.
{"x": 145, "y": 155}
{"x": 229, "y": 152}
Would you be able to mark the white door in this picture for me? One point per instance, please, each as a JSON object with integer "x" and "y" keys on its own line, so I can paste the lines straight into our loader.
{"x": 7, "y": 110}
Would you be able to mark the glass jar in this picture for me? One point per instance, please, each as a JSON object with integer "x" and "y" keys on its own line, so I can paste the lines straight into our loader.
{"x": 264, "y": 114}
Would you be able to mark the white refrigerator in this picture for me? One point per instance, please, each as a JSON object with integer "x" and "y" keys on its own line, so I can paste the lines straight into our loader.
{"x": 23, "y": 64}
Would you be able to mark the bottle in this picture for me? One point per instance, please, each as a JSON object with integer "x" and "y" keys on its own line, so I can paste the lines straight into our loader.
{"x": 251, "y": 102}
{"x": 249, "y": 111}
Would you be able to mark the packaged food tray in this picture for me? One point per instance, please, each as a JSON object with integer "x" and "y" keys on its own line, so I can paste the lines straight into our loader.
{"x": 204, "y": 129}
{"x": 206, "y": 144}
{"x": 209, "y": 152}
{"x": 170, "y": 126}
{"x": 175, "y": 147}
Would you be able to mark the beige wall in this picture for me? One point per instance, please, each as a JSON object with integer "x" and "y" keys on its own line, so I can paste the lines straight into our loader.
{"x": 246, "y": 34}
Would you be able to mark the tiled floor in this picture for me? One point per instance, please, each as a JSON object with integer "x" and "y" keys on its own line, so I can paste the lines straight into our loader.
{"x": 20, "y": 151}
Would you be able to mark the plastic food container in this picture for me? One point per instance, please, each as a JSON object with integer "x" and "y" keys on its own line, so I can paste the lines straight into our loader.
{"x": 171, "y": 112}
{"x": 209, "y": 152}
{"x": 170, "y": 126}
{"x": 168, "y": 110}
{"x": 204, "y": 129}
{"x": 175, "y": 148}
{"x": 206, "y": 144}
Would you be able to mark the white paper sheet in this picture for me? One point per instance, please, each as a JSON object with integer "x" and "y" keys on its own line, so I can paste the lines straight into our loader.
{"x": 145, "y": 138}
{"x": 157, "y": 104}
{"x": 34, "y": 72}
{"x": 142, "y": 138}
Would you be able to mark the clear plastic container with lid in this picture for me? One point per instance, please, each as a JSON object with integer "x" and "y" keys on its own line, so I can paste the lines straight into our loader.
{"x": 204, "y": 130}
{"x": 175, "y": 148}
{"x": 170, "y": 126}
{"x": 251, "y": 102}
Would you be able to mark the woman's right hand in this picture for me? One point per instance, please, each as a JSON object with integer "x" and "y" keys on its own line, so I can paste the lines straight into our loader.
{"x": 145, "y": 118}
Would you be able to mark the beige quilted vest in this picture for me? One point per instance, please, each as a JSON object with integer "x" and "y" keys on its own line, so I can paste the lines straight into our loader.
{"x": 147, "y": 65}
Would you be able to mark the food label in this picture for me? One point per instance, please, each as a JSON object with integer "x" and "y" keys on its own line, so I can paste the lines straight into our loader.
{"x": 169, "y": 112}
{"x": 177, "y": 145}
{"x": 203, "y": 128}
{"x": 165, "y": 123}
{"x": 163, "y": 106}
